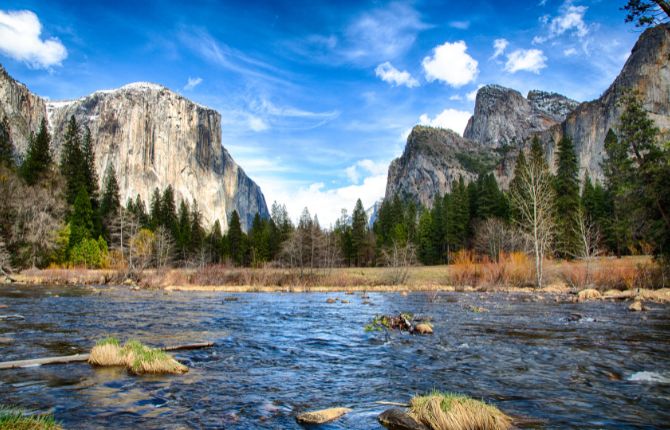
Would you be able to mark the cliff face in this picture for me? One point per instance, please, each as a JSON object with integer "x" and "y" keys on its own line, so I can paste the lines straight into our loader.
{"x": 23, "y": 109}
{"x": 647, "y": 72}
{"x": 152, "y": 137}
{"x": 504, "y": 117}
{"x": 504, "y": 122}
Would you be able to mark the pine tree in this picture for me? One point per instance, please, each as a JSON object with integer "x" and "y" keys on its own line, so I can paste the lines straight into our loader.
{"x": 183, "y": 231}
{"x": 235, "y": 238}
{"x": 155, "y": 209}
{"x": 567, "y": 198}
{"x": 359, "y": 233}
{"x": 141, "y": 212}
{"x": 89, "y": 172}
{"x": 618, "y": 171}
{"x": 6, "y": 144}
{"x": 72, "y": 163}
{"x": 537, "y": 153}
{"x": 197, "y": 231}
{"x": 426, "y": 248}
{"x": 81, "y": 221}
{"x": 168, "y": 212}
{"x": 215, "y": 240}
{"x": 111, "y": 200}
{"x": 38, "y": 156}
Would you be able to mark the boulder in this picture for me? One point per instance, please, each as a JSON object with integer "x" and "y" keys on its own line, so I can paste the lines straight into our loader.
{"x": 331, "y": 300}
{"x": 423, "y": 328}
{"x": 637, "y": 306}
{"x": 321, "y": 416}
{"x": 397, "y": 419}
{"x": 589, "y": 294}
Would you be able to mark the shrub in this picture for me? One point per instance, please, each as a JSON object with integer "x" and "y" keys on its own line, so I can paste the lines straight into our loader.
{"x": 90, "y": 253}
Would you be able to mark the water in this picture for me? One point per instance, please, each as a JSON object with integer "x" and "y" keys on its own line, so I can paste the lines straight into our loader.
{"x": 280, "y": 354}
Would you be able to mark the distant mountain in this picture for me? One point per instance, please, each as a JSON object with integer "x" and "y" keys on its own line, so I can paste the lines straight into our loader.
{"x": 504, "y": 122}
{"x": 152, "y": 137}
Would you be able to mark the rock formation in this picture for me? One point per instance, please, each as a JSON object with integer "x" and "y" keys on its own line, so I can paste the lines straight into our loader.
{"x": 504, "y": 122}
{"x": 151, "y": 137}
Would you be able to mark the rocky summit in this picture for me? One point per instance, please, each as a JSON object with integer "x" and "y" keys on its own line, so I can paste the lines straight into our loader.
{"x": 504, "y": 122}
{"x": 151, "y": 137}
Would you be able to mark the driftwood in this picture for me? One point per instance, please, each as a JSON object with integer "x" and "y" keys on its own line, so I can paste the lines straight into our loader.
{"x": 84, "y": 357}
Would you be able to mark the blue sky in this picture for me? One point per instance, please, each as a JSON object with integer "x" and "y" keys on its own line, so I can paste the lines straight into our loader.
{"x": 317, "y": 98}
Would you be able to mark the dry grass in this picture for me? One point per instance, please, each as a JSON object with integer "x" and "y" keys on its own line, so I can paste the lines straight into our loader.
{"x": 138, "y": 358}
{"x": 446, "y": 411}
{"x": 589, "y": 294}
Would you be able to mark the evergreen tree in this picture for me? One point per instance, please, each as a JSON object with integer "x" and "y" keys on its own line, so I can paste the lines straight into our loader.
{"x": 72, "y": 163}
{"x": 359, "y": 233}
{"x": 89, "y": 172}
{"x": 342, "y": 232}
{"x": 197, "y": 231}
{"x": 168, "y": 212}
{"x": 155, "y": 215}
{"x": 141, "y": 212}
{"x": 618, "y": 171}
{"x": 81, "y": 221}
{"x": 111, "y": 200}
{"x": 537, "y": 153}
{"x": 183, "y": 237}
{"x": 215, "y": 240}
{"x": 6, "y": 144}
{"x": 38, "y": 156}
{"x": 426, "y": 247}
{"x": 567, "y": 198}
{"x": 235, "y": 239}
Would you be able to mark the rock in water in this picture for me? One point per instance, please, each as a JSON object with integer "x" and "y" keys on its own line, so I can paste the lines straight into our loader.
{"x": 397, "y": 419}
{"x": 322, "y": 416}
{"x": 423, "y": 328}
{"x": 637, "y": 306}
{"x": 151, "y": 137}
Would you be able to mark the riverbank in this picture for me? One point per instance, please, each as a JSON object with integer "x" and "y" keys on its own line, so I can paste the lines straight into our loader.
{"x": 623, "y": 278}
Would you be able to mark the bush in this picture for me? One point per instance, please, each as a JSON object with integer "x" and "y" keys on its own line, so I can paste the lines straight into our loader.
{"x": 90, "y": 253}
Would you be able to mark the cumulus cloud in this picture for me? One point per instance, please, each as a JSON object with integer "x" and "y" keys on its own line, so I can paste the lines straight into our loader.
{"x": 387, "y": 73}
{"x": 192, "y": 83}
{"x": 529, "y": 60}
{"x": 364, "y": 168}
{"x": 499, "y": 46}
{"x": 451, "y": 64}
{"x": 452, "y": 119}
{"x": 570, "y": 20}
{"x": 20, "y": 39}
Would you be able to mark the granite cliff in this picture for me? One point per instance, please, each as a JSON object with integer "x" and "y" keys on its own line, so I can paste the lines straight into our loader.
{"x": 504, "y": 122}
{"x": 151, "y": 137}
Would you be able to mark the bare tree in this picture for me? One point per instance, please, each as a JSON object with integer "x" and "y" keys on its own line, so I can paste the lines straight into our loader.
{"x": 533, "y": 197}
{"x": 399, "y": 257}
{"x": 5, "y": 261}
{"x": 493, "y": 236}
{"x": 589, "y": 240}
{"x": 141, "y": 249}
{"x": 124, "y": 227}
{"x": 164, "y": 247}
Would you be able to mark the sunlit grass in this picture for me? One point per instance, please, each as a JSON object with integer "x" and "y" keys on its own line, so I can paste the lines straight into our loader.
{"x": 448, "y": 411}
{"x": 17, "y": 419}
{"x": 135, "y": 356}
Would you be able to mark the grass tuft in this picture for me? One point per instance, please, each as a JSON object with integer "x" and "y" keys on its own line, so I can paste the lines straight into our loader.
{"x": 448, "y": 411}
{"x": 17, "y": 419}
{"x": 138, "y": 358}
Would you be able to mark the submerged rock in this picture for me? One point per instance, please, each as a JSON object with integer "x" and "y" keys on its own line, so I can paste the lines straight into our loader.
{"x": 321, "y": 416}
{"x": 331, "y": 300}
{"x": 423, "y": 328}
{"x": 397, "y": 419}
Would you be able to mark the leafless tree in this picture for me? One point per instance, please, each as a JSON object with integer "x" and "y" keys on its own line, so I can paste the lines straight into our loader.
{"x": 493, "y": 236}
{"x": 589, "y": 240}
{"x": 5, "y": 261}
{"x": 123, "y": 228}
{"x": 141, "y": 250}
{"x": 164, "y": 247}
{"x": 399, "y": 257}
{"x": 533, "y": 197}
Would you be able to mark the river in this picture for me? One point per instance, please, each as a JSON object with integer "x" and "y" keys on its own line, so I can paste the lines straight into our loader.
{"x": 280, "y": 354}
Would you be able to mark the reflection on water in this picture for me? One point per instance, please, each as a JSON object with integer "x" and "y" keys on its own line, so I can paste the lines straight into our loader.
{"x": 592, "y": 365}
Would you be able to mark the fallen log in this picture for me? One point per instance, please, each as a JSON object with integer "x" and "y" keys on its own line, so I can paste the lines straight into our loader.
{"x": 76, "y": 358}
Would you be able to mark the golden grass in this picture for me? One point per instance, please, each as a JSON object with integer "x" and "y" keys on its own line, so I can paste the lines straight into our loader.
{"x": 446, "y": 411}
{"x": 138, "y": 358}
{"x": 17, "y": 419}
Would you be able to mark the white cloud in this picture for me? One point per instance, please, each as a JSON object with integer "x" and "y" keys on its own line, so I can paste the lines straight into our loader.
{"x": 530, "y": 60}
{"x": 499, "y": 46}
{"x": 569, "y": 52}
{"x": 257, "y": 124}
{"x": 472, "y": 95}
{"x": 450, "y": 63}
{"x": 387, "y": 73}
{"x": 363, "y": 167}
{"x": 192, "y": 83}
{"x": 456, "y": 98}
{"x": 570, "y": 20}
{"x": 452, "y": 119}
{"x": 20, "y": 39}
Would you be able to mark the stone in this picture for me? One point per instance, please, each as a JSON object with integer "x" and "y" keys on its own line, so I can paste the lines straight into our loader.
{"x": 322, "y": 416}
{"x": 331, "y": 300}
{"x": 151, "y": 137}
{"x": 637, "y": 306}
{"x": 588, "y": 294}
{"x": 397, "y": 419}
{"x": 423, "y": 328}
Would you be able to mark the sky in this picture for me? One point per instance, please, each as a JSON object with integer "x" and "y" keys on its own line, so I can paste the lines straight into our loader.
{"x": 317, "y": 98}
